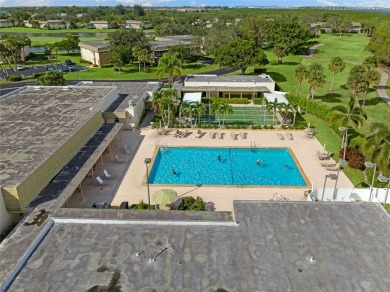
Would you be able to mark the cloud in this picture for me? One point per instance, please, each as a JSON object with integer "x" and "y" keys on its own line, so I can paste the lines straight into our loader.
{"x": 327, "y": 3}
{"x": 15, "y": 3}
{"x": 373, "y": 3}
{"x": 144, "y": 2}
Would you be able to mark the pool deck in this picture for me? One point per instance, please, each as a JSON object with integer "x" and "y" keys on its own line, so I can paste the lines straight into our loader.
{"x": 131, "y": 176}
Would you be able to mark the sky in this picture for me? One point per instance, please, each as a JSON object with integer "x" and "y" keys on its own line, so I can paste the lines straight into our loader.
{"x": 197, "y": 3}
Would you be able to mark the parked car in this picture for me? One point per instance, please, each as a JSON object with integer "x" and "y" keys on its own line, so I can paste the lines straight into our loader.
{"x": 101, "y": 205}
{"x": 68, "y": 62}
{"x": 71, "y": 69}
{"x": 49, "y": 68}
{"x": 61, "y": 68}
{"x": 20, "y": 67}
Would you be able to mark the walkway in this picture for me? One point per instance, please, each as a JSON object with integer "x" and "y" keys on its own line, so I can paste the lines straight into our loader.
{"x": 381, "y": 88}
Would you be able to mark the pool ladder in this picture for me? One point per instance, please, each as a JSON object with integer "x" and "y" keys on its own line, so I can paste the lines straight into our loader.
{"x": 253, "y": 144}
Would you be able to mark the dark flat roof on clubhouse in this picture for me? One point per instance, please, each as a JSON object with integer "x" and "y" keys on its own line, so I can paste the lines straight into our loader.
{"x": 36, "y": 121}
{"x": 227, "y": 78}
{"x": 274, "y": 246}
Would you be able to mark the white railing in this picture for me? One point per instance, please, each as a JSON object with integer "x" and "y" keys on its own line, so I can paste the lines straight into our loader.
{"x": 350, "y": 195}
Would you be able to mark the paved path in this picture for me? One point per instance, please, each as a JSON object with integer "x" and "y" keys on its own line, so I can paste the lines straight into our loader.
{"x": 381, "y": 88}
{"x": 312, "y": 50}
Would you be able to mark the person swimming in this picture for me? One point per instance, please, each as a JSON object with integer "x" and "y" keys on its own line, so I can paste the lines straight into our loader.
{"x": 219, "y": 158}
{"x": 173, "y": 172}
{"x": 258, "y": 161}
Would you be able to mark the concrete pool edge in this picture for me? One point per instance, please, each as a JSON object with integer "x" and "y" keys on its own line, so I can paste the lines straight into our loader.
{"x": 300, "y": 169}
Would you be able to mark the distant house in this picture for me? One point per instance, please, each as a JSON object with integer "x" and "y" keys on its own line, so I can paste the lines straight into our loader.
{"x": 136, "y": 24}
{"x": 101, "y": 24}
{"x": 161, "y": 45}
{"x": 95, "y": 52}
{"x": 6, "y": 23}
{"x": 79, "y": 15}
{"x": 54, "y": 24}
{"x": 356, "y": 27}
{"x": 324, "y": 27}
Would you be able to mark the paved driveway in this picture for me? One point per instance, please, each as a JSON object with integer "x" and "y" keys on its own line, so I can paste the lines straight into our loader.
{"x": 31, "y": 70}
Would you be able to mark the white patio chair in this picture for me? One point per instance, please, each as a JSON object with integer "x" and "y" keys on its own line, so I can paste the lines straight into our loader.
{"x": 106, "y": 174}
{"x": 99, "y": 180}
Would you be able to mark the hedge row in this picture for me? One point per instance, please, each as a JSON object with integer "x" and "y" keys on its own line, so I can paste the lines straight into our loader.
{"x": 234, "y": 100}
{"x": 310, "y": 106}
{"x": 14, "y": 78}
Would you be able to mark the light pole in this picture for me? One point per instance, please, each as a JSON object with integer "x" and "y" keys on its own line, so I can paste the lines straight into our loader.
{"x": 147, "y": 161}
{"x": 332, "y": 176}
{"x": 341, "y": 163}
{"x": 369, "y": 164}
{"x": 345, "y": 130}
{"x": 384, "y": 179}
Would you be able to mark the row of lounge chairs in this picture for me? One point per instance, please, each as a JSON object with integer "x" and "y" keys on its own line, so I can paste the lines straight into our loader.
{"x": 107, "y": 175}
{"x": 234, "y": 136}
{"x": 288, "y": 135}
{"x": 331, "y": 166}
{"x": 181, "y": 134}
{"x": 323, "y": 155}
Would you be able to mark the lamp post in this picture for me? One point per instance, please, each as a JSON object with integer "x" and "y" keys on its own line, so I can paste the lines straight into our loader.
{"x": 147, "y": 161}
{"x": 384, "y": 179}
{"x": 345, "y": 130}
{"x": 341, "y": 163}
{"x": 332, "y": 176}
{"x": 369, "y": 164}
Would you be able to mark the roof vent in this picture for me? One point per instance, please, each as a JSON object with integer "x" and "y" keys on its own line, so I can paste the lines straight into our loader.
{"x": 37, "y": 88}
{"x": 65, "y": 88}
{"x": 131, "y": 103}
{"x": 263, "y": 75}
{"x": 311, "y": 260}
{"x": 138, "y": 254}
{"x": 152, "y": 260}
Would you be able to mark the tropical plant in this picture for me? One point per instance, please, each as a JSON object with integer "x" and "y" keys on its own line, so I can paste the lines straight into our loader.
{"x": 215, "y": 108}
{"x": 225, "y": 109}
{"x": 51, "y": 78}
{"x": 315, "y": 78}
{"x": 348, "y": 114}
{"x": 378, "y": 146}
{"x": 273, "y": 107}
{"x": 199, "y": 109}
{"x": 356, "y": 81}
{"x": 335, "y": 66}
{"x": 169, "y": 64}
{"x": 190, "y": 203}
{"x": 185, "y": 108}
{"x": 373, "y": 77}
{"x": 300, "y": 74}
{"x": 280, "y": 51}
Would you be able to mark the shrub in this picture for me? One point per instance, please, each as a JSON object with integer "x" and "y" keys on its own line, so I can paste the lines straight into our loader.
{"x": 13, "y": 78}
{"x": 258, "y": 100}
{"x": 353, "y": 156}
{"x": 357, "y": 142}
{"x": 273, "y": 62}
{"x": 311, "y": 106}
{"x": 37, "y": 75}
{"x": 82, "y": 61}
{"x": 143, "y": 206}
{"x": 259, "y": 70}
{"x": 106, "y": 66}
{"x": 190, "y": 203}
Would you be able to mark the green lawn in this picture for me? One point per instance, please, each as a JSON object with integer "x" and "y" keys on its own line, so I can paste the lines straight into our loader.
{"x": 351, "y": 49}
{"x": 39, "y": 41}
{"x": 39, "y": 30}
{"x": 326, "y": 136}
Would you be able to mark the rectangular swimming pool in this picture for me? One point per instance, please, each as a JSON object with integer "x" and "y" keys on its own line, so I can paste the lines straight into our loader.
{"x": 225, "y": 166}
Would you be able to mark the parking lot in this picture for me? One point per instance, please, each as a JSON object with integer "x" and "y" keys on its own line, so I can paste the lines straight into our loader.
{"x": 30, "y": 71}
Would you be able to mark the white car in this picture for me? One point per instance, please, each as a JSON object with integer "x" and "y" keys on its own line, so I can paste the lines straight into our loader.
{"x": 20, "y": 67}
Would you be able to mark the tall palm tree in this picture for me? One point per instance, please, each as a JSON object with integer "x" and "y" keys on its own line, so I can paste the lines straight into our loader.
{"x": 170, "y": 64}
{"x": 199, "y": 110}
{"x": 373, "y": 77}
{"x": 184, "y": 110}
{"x": 225, "y": 109}
{"x": 215, "y": 108}
{"x": 157, "y": 104}
{"x": 315, "y": 78}
{"x": 300, "y": 74}
{"x": 378, "y": 143}
{"x": 335, "y": 66}
{"x": 356, "y": 81}
{"x": 273, "y": 107}
{"x": 348, "y": 114}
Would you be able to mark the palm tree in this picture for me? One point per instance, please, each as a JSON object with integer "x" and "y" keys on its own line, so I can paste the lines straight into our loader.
{"x": 184, "y": 109}
{"x": 300, "y": 74}
{"x": 136, "y": 51}
{"x": 356, "y": 81}
{"x": 378, "y": 144}
{"x": 335, "y": 66}
{"x": 225, "y": 109}
{"x": 199, "y": 110}
{"x": 373, "y": 77}
{"x": 347, "y": 114}
{"x": 315, "y": 78}
{"x": 171, "y": 64}
{"x": 157, "y": 104}
{"x": 287, "y": 109}
{"x": 215, "y": 108}
{"x": 280, "y": 51}
{"x": 273, "y": 107}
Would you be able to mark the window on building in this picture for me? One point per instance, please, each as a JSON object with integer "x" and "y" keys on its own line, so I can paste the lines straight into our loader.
{"x": 116, "y": 120}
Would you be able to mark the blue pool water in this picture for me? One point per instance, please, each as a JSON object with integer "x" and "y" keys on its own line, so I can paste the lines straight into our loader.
{"x": 200, "y": 166}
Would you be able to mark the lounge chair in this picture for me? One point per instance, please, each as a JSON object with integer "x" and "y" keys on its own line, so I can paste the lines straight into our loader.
{"x": 199, "y": 134}
{"x": 106, "y": 174}
{"x": 178, "y": 133}
{"x": 120, "y": 159}
{"x": 233, "y": 135}
{"x": 99, "y": 180}
{"x": 335, "y": 168}
{"x": 184, "y": 134}
{"x": 243, "y": 135}
{"x": 289, "y": 136}
{"x": 328, "y": 164}
{"x": 221, "y": 135}
{"x": 126, "y": 149}
{"x": 281, "y": 137}
{"x": 212, "y": 135}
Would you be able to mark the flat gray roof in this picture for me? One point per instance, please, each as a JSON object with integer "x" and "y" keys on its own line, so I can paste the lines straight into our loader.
{"x": 35, "y": 122}
{"x": 227, "y": 78}
{"x": 127, "y": 91}
{"x": 96, "y": 46}
{"x": 225, "y": 88}
{"x": 275, "y": 246}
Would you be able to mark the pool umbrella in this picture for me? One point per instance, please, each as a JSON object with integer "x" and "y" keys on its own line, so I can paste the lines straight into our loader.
{"x": 165, "y": 196}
